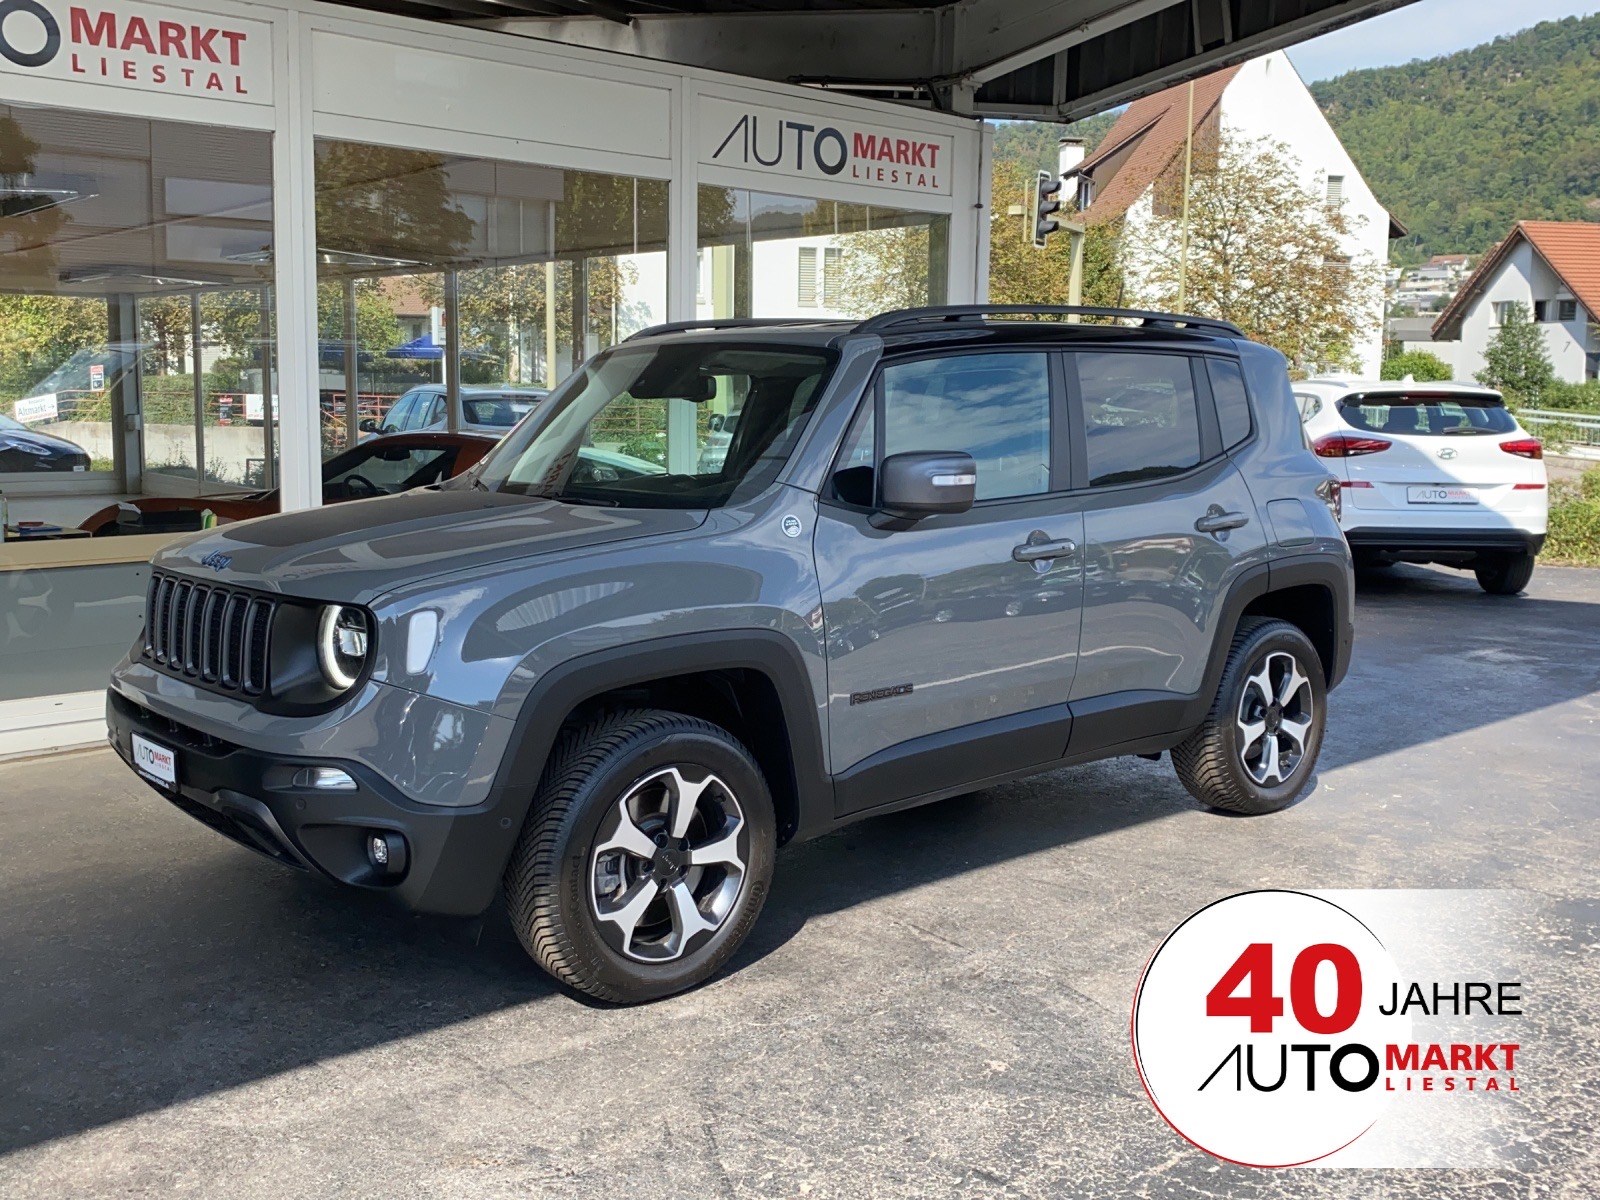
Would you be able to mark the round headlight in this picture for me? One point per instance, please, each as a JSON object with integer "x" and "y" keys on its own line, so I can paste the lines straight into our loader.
{"x": 342, "y": 644}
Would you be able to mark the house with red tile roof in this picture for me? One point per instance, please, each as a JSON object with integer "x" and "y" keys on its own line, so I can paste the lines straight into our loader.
{"x": 1263, "y": 98}
{"x": 1550, "y": 267}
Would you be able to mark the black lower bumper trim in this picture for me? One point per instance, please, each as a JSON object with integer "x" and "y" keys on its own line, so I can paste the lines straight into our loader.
{"x": 454, "y": 855}
{"x": 1401, "y": 542}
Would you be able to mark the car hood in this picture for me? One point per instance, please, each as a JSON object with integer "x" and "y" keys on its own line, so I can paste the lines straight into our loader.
{"x": 58, "y": 447}
{"x": 358, "y": 550}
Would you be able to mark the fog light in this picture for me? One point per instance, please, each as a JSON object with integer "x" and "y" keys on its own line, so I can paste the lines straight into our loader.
{"x": 387, "y": 853}
{"x": 325, "y": 779}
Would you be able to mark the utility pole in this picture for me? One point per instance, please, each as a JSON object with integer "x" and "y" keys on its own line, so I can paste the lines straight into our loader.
{"x": 1188, "y": 175}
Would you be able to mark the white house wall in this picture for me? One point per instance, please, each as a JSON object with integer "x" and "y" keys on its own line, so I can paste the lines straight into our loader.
{"x": 1524, "y": 277}
{"x": 1268, "y": 99}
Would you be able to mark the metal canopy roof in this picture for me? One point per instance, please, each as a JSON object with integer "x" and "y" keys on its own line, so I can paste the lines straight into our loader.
{"x": 1039, "y": 59}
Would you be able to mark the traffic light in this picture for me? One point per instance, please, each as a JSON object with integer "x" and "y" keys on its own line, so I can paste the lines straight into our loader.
{"x": 1043, "y": 206}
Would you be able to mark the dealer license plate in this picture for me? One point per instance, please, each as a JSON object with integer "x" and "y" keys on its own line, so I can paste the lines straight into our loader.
{"x": 155, "y": 763}
{"x": 1441, "y": 495}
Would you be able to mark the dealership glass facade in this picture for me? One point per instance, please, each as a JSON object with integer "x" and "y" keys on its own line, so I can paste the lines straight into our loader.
{"x": 460, "y": 218}
{"x": 136, "y": 309}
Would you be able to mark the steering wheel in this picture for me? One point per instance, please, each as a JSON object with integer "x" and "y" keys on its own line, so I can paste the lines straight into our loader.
{"x": 359, "y": 487}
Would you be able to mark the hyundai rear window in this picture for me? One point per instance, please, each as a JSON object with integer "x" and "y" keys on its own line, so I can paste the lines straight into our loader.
{"x": 1428, "y": 415}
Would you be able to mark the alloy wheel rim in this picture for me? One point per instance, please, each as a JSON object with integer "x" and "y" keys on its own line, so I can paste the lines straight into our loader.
{"x": 668, "y": 864}
{"x": 1274, "y": 720}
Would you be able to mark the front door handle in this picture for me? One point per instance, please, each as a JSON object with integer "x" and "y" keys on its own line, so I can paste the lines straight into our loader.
{"x": 1040, "y": 547}
{"x": 1217, "y": 521}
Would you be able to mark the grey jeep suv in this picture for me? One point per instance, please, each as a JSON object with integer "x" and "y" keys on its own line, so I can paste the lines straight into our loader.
{"x": 941, "y": 551}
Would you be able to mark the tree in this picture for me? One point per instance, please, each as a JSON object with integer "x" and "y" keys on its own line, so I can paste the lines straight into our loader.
{"x": 1265, "y": 252}
{"x": 1021, "y": 274}
{"x": 377, "y": 329}
{"x": 1516, "y": 362}
{"x": 1419, "y": 365}
{"x": 885, "y": 269}
{"x": 39, "y": 333}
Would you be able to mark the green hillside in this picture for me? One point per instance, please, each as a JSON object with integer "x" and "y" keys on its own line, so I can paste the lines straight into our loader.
{"x": 1038, "y": 141}
{"x": 1461, "y": 147}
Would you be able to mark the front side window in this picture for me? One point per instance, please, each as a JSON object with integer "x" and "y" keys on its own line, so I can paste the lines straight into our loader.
{"x": 1139, "y": 415}
{"x": 634, "y": 428}
{"x": 995, "y": 407}
{"x": 395, "y": 419}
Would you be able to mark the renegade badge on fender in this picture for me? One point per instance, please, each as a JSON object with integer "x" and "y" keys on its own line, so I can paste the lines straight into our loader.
{"x": 939, "y": 550}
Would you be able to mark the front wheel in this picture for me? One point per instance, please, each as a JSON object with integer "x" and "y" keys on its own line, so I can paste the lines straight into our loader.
{"x": 646, "y": 856}
{"x": 1504, "y": 574}
{"x": 1258, "y": 745}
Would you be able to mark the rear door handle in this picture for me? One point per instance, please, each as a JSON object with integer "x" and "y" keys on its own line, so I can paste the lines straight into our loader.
{"x": 1037, "y": 551}
{"x": 1217, "y": 521}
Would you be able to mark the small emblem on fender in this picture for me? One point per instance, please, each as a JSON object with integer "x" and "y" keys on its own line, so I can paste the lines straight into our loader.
{"x": 792, "y": 526}
{"x": 217, "y": 561}
{"x": 884, "y": 693}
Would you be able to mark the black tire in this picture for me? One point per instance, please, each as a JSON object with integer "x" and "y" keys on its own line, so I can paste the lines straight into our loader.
{"x": 1504, "y": 574}
{"x": 1211, "y": 762}
{"x": 552, "y": 893}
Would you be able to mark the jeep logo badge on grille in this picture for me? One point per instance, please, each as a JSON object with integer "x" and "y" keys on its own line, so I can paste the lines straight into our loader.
{"x": 217, "y": 561}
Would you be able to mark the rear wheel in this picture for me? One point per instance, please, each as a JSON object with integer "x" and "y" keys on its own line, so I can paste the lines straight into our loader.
{"x": 646, "y": 857}
{"x": 1504, "y": 574}
{"x": 1259, "y": 743}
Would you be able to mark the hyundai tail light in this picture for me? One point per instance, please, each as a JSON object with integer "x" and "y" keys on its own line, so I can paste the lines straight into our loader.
{"x": 1524, "y": 448}
{"x": 1342, "y": 445}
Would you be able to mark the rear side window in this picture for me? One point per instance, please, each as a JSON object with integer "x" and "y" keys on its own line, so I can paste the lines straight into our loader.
{"x": 1233, "y": 405}
{"x": 996, "y": 407}
{"x": 500, "y": 412}
{"x": 1139, "y": 416}
{"x": 1428, "y": 416}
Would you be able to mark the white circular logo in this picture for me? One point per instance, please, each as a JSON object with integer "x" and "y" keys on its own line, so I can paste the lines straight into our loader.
{"x": 1257, "y": 1031}
{"x": 791, "y": 526}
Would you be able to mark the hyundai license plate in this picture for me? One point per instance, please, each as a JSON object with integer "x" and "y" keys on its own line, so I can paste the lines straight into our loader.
{"x": 1441, "y": 495}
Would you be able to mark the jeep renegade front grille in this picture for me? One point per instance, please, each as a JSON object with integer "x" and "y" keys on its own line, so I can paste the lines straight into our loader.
{"x": 213, "y": 634}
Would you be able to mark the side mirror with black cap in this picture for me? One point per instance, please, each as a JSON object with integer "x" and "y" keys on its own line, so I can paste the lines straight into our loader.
{"x": 925, "y": 483}
{"x": 367, "y": 425}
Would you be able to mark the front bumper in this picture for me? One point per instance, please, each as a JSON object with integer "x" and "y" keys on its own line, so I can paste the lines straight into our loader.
{"x": 454, "y": 855}
{"x": 1429, "y": 544}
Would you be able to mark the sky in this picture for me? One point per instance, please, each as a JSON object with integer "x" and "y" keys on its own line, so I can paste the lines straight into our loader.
{"x": 1426, "y": 29}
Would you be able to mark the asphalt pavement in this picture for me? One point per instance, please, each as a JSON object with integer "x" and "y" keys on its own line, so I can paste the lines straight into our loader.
{"x": 934, "y": 1003}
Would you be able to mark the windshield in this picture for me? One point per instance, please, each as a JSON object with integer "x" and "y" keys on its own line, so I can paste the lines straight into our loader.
{"x": 1428, "y": 415}
{"x": 6, "y": 423}
{"x": 632, "y": 428}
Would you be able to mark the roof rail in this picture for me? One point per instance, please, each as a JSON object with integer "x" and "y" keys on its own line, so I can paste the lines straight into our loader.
{"x": 960, "y": 312}
{"x": 719, "y": 323}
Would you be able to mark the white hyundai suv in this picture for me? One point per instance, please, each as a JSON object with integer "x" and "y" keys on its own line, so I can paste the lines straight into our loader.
{"x": 1432, "y": 472}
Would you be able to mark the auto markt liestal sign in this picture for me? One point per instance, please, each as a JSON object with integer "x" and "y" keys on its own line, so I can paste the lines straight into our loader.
{"x": 807, "y": 146}
{"x": 143, "y": 46}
